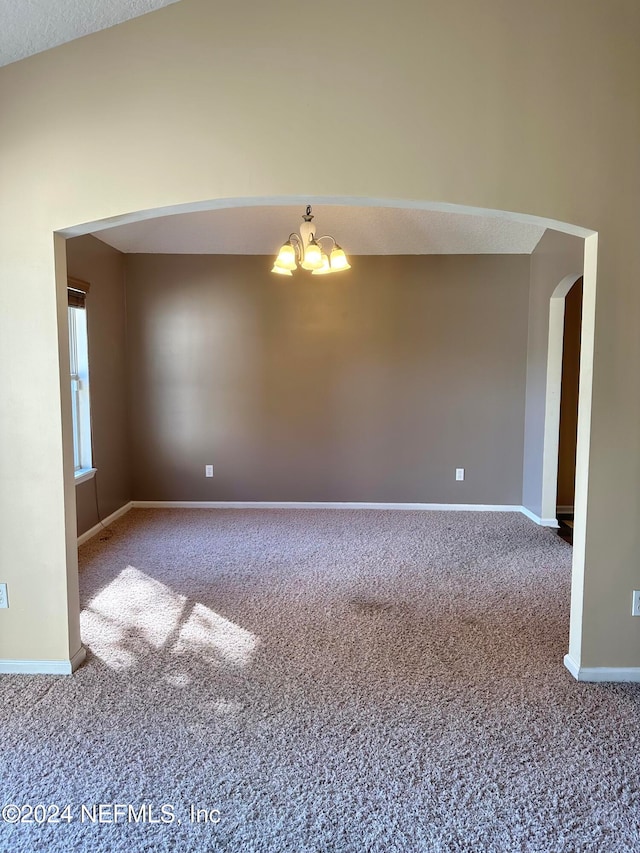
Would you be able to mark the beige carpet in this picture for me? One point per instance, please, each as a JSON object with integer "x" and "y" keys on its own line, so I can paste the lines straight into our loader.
{"x": 328, "y": 681}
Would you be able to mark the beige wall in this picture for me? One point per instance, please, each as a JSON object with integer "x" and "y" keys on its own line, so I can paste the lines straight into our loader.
{"x": 103, "y": 267}
{"x": 480, "y": 104}
{"x": 373, "y": 385}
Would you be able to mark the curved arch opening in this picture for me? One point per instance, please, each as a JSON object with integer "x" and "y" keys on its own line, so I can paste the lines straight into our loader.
{"x": 553, "y": 396}
{"x": 549, "y": 457}
{"x": 302, "y": 200}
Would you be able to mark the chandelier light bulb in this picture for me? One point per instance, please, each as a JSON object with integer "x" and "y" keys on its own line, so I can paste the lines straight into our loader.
{"x": 286, "y": 257}
{"x": 325, "y": 269}
{"x": 339, "y": 260}
{"x": 312, "y": 256}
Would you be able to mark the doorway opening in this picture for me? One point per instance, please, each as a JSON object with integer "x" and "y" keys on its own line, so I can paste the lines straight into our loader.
{"x": 552, "y": 407}
{"x": 569, "y": 392}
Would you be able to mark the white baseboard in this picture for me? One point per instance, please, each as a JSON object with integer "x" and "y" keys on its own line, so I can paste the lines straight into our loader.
{"x": 572, "y": 666}
{"x": 324, "y": 505}
{"x": 601, "y": 673}
{"x": 415, "y": 507}
{"x": 43, "y": 667}
{"x": 543, "y": 522}
{"x": 89, "y": 534}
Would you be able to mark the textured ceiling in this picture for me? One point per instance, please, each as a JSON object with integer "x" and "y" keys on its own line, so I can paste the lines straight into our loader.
{"x": 360, "y": 231}
{"x": 31, "y": 26}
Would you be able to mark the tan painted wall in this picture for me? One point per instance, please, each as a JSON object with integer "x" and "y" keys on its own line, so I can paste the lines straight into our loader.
{"x": 92, "y": 260}
{"x": 373, "y": 385}
{"x": 470, "y": 103}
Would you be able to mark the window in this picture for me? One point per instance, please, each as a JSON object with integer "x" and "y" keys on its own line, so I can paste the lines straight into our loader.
{"x": 79, "y": 362}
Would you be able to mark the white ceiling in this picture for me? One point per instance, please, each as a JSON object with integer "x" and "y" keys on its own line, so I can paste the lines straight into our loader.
{"x": 359, "y": 230}
{"x": 31, "y": 26}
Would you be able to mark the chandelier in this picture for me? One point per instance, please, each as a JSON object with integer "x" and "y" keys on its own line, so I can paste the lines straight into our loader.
{"x": 307, "y": 250}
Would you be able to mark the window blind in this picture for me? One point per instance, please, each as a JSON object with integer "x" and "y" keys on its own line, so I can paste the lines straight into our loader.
{"x": 77, "y": 292}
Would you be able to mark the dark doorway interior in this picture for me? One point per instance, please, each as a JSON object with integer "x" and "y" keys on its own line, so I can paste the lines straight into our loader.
{"x": 569, "y": 410}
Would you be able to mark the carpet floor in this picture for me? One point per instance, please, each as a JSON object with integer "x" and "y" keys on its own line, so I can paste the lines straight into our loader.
{"x": 322, "y": 681}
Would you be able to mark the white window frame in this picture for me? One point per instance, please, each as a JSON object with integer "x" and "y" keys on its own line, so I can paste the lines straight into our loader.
{"x": 80, "y": 397}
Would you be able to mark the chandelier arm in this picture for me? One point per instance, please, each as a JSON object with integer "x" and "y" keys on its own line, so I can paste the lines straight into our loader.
{"x": 327, "y": 237}
{"x": 296, "y": 241}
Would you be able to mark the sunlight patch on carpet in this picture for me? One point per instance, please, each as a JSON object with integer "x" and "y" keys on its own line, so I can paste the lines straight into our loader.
{"x": 135, "y": 616}
{"x": 210, "y": 636}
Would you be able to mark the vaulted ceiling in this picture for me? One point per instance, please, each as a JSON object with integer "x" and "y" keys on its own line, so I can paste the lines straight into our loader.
{"x": 31, "y": 26}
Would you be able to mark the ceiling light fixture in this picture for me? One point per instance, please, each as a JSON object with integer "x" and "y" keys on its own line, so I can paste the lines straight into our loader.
{"x": 306, "y": 249}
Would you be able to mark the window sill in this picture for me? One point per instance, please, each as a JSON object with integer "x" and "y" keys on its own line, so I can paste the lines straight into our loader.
{"x": 84, "y": 474}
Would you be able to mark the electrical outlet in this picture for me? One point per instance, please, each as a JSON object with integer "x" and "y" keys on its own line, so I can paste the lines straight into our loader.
{"x": 4, "y": 601}
{"x": 459, "y": 473}
{"x": 635, "y": 603}
{"x": 208, "y": 470}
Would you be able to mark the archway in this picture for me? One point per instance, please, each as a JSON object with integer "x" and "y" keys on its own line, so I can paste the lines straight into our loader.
{"x": 553, "y": 395}
{"x": 549, "y": 476}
